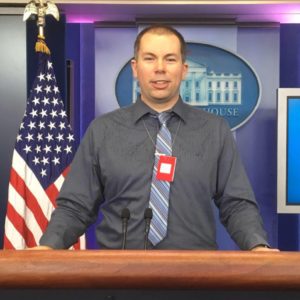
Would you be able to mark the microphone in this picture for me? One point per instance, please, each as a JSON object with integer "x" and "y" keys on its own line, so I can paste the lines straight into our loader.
{"x": 125, "y": 215}
{"x": 147, "y": 216}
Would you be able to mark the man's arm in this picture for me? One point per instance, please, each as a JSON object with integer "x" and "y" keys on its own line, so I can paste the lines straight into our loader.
{"x": 238, "y": 209}
{"x": 79, "y": 199}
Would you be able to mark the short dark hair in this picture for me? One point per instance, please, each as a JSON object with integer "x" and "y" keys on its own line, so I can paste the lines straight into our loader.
{"x": 160, "y": 29}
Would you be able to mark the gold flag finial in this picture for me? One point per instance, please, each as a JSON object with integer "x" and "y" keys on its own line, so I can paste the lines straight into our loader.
{"x": 41, "y": 9}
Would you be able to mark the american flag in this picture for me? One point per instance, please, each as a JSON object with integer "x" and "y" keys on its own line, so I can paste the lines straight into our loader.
{"x": 43, "y": 151}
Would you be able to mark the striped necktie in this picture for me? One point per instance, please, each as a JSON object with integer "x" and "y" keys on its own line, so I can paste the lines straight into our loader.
{"x": 160, "y": 190}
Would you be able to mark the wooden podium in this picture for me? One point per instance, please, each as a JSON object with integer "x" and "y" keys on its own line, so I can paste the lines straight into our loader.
{"x": 125, "y": 273}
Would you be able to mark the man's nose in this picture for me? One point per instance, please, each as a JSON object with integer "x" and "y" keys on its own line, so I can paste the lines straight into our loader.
{"x": 160, "y": 65}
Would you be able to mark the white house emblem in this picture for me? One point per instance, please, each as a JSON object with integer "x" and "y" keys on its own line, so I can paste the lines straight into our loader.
{"x": 218, "y": 81}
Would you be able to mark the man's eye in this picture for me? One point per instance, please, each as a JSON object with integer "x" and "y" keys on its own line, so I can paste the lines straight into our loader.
{"x": 148, "y": 58}
{"x": 171, "y": 59}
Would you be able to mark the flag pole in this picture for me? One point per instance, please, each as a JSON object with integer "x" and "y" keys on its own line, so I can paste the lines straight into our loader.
{"x": 41, "y": 9}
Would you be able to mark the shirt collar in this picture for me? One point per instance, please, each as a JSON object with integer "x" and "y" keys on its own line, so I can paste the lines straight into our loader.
{"x": 141, "y": 109}
{"x": 181, "y": 110}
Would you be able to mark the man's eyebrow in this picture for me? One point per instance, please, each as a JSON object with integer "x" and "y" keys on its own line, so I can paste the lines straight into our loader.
{"x": 166, "y": 55}
{"x": 171, "y": 54}
{"x": 148, "y": 53}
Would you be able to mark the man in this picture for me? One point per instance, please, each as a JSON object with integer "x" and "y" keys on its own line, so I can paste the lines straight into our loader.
{"x": 114, "y": 167}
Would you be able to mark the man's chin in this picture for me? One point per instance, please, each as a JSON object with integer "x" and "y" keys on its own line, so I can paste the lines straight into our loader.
{"x": 161, "y": 103}
{"x": 160, "y": 98}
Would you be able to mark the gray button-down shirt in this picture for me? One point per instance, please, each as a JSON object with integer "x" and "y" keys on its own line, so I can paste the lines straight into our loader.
{"x": 112, "y": 170}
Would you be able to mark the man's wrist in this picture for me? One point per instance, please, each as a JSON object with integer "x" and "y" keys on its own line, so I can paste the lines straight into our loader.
{"x": 262, "y": 245}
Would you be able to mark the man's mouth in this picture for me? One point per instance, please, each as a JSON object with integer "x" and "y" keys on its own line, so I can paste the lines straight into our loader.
{"x": 160, "y": 84}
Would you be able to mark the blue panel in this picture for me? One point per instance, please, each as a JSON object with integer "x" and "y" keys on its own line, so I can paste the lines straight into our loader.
{"x": 288, "y": 225}
{"x": 87, "y": 76}
{"x": 80, "y": 49}
{"x": 293, "y": 151}
{"x": 289, "y": 55}
{"x": 256, "y": 140}
{"x": 73, "y": 54}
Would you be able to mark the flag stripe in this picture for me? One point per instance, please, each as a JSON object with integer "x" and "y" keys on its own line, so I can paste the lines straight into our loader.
{"x": 59, "y": 181}
{"x": 13, "y": 239}
{"x": 20, "y": 226}
{"x": 19, "y": 205}
{"x": 80, "y": 244}
{"x": 7, "y": 242}
{"x": 52, "y": 193}
{"x": 66, "y": 171}
{"x": 31, "y": 201}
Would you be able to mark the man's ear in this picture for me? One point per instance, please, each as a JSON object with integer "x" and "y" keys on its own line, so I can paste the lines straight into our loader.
{"x": 133, "y": 67}
{"x": 185, "y": 70}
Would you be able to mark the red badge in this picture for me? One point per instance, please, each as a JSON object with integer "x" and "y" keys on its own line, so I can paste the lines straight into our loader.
{"x": 166, "y": 168}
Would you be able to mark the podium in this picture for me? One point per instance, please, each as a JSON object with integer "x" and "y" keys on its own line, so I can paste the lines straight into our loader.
{"x": 158, "y": 274}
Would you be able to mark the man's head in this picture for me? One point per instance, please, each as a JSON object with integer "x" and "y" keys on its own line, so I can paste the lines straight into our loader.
{"x": 159, "y": 65}
{"x": 160, "y": 29}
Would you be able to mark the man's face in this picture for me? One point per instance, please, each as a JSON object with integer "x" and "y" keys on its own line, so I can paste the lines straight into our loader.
{"x": 159, "y": 68}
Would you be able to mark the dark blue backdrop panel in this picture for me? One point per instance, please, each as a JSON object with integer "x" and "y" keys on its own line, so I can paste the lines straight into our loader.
{"x": 73, "y": 55}
{"x": 289, "y": 55}
{"x": 80, "y": 50}
{"x": 87, "y": 48}
{"x": 257, "y": 138}
{"x": 288, "y": 225}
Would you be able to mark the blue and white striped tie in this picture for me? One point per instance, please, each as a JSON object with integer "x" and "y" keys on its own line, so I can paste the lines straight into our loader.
{"x": 160, "y": 190}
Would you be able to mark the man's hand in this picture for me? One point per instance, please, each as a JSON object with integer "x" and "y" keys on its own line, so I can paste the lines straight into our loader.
{"x": 264, "y": 249}
{"x": 40, "y": 248}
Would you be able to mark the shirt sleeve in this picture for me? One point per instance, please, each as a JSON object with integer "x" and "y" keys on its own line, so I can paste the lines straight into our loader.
{"x": 235, "y": 199}
{"x": 79, "y": 199}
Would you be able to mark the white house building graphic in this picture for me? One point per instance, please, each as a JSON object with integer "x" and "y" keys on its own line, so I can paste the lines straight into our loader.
{"x": 205, "y": 88}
